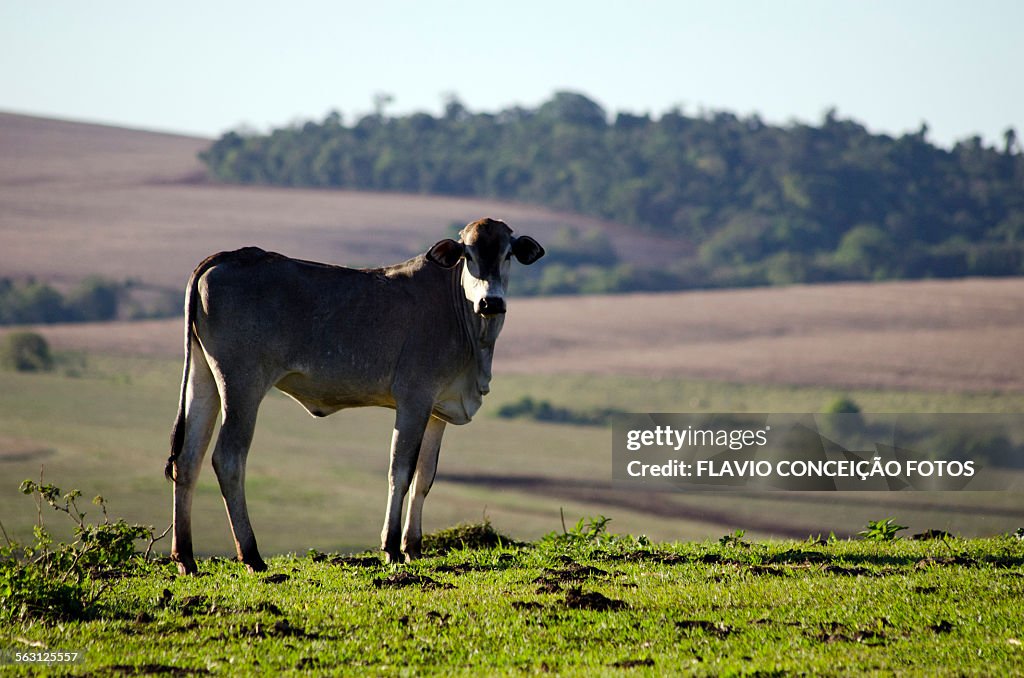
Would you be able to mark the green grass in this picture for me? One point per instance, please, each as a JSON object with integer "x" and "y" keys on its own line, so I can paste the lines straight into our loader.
{"x": 571, "y": 605}
{"x": 101, "y": 424}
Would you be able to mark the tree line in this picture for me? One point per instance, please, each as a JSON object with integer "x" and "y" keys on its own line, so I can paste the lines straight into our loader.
{"x": 94, "y": 299}
{"x": 758, "y": 203}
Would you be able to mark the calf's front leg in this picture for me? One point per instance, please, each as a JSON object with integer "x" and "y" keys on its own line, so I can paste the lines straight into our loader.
{"x": 426, "y": 467}
{"x": 410, "y": 424}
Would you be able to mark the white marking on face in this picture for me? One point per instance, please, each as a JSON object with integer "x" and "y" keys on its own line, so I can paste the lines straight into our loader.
{"x": 476, "y": 285}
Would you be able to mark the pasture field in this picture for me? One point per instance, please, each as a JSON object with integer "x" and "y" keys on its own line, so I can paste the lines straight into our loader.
{"x": 581, "y": 603}
{"x": 942, "y": 336}
{"x": 101, "y": 424}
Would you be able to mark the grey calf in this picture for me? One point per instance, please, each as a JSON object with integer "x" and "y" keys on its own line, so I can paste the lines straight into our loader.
{"x": 417, "y": 337}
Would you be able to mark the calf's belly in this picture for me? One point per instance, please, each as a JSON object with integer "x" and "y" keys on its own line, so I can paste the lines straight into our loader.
{"x": 322, "y": 398}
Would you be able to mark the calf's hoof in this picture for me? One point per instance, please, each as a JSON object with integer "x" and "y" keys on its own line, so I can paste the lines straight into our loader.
{"x": 393, "y": 557}
{"x": 186, "y": 564}
{"x": 255, "y": 565}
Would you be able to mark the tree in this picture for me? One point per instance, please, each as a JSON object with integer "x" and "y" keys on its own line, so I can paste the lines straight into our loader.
{"x": 25, "y": 352}
{"x": 1009, "y": 141}
{"x": 381, "y": 100}
{"x": 575, "y": 109}
{"x": 95, "y": 299}
{"x": 866, "y": 251}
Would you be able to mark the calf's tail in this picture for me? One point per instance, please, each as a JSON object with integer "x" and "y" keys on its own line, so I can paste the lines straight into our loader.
{"x": 178, "y": 432}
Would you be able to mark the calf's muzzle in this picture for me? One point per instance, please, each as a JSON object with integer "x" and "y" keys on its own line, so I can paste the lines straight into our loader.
{"x": 491, "y": 306}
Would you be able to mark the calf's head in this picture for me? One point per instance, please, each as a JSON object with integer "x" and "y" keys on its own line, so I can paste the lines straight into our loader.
{"x": 487, "y": 246}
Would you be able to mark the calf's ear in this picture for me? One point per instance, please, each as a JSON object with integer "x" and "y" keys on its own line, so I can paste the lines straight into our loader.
{"x": 446, "y": 253}
{"x": 526, "y": 249}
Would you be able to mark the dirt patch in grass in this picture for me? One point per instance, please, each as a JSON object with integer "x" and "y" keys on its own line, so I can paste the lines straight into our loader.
{"x": 711, "y": 627}
{"x": 154, "y": 670}
{"x": 553, "y": 579}
{"x": 632, "y": 663}
{"x": 577, "y": 599}
{"x": 404, "y": 578}
{"x": 191, "y": 605}
{"x": 526, "y": 605}
{"x": 572, "y": 572}
{"x": 770, "y": 570}
{"x": 357, "y": 561}
{"x": 848, "y": 570}
{"x": 835, "y": 632}
{"x": 945, "y": 561}
{"x": 262, "y": 606}
{"x": 278, "y": 578}
{"x": 800, "y": 557}
{"x": 547, "y": 586}
{"x": 664, "y": 558}
{"x": 281, "y": 628}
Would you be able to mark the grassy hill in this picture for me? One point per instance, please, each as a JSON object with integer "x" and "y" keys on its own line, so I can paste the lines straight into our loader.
{"x": 581, "y": 602}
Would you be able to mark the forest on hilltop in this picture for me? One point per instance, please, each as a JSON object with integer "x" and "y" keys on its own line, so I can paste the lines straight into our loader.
{"x": 757, "y": 203}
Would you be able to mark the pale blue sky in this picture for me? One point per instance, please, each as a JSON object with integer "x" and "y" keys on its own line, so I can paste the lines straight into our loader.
{"x": 205, "y": 67}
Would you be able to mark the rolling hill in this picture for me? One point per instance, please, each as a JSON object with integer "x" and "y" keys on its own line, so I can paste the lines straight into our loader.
{"x": 79, "y": 199}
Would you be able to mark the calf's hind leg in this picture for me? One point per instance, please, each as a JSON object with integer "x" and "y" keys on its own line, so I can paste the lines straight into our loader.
{"x": 202, "y": 405}
{"x": 229, "y": 457}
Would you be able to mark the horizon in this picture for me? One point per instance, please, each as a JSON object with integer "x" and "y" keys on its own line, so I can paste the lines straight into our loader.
{"x": 890, "y": 68}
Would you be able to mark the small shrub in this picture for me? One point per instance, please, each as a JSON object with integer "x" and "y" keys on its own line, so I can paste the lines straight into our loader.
{"x": 881, "y": 530}
{"x": 543, "y": 411}
{"x": 734, "y": 539}
{"x": 26, "y": 352}
{"x": 47, "y": 580}
{"x": 843, "y": 405}
{"x": 844, "y": 418}
{"x": 589, "y": 531}
{"x": 822, "y": 541}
